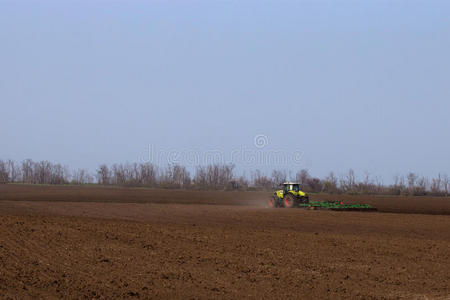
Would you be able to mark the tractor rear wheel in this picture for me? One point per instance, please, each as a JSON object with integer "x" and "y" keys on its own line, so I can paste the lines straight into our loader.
{"x": 289, "y": 201}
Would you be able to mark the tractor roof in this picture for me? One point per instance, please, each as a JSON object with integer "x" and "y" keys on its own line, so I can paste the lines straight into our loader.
{"x": 290, "y": 182}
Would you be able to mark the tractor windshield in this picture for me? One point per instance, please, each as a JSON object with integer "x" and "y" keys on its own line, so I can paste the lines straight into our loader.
{"x": 291, "y": 187}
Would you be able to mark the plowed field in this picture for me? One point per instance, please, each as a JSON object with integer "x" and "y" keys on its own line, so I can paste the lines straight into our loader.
{"x": 91, "y": 242}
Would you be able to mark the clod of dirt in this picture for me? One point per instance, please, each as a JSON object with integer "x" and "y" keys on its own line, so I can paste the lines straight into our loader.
{"x": 133, "y": 294}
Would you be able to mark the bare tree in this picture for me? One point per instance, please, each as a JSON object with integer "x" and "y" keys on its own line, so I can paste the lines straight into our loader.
{"x": 180, "y": 177}
{"x": 148, "y": 174}
{"x": 399, "y": 185}
{"x": 118, "y": 176}
{"x": 27, "y": 171}
{"x": 215, "y": 176}
{"x": 200, "y": 179}
{"x": 81, "y": 176}
{"x": 436, "y": 184}
{"x": 4, "y": 172}
{"x": 347, "y": 182}
{"x": 278, "y": 177}
{"x": 302, "y": 177}
{"x": 226, "y": 175}
{"x": 14, "y": 171}
{"x": 379, "y": 186}
{"x": 330, "y": 183}
{"x": 103, "y": 175}
{"x": 242, "y": 183}
{"x": 313, "y": 185}
{"x": 411, "y": 182}
{"x": 366, "y": 186}
{"x": 351, "y": 180}
{"x": 445, "y": 185}
{"x": 261, "y": 181}
{"x": 421, "y": 186}
{"x": 212, "y": 176}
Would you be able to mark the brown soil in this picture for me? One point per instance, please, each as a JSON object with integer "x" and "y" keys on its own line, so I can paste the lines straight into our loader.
{"x": 421, "y": 205}
{"x": 90, "y": 242}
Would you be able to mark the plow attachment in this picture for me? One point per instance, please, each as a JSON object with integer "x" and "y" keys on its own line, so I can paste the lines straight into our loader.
{"x": 336, "y": 205}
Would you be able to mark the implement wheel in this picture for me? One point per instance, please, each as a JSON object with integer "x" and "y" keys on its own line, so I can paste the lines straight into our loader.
{"x": 289, "y": 201}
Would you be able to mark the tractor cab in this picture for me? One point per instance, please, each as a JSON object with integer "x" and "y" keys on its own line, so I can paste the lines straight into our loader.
{"x": 290, "y": 186}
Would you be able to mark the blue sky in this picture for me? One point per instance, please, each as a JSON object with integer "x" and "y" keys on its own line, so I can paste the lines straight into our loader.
{"x": 349, "y": 84}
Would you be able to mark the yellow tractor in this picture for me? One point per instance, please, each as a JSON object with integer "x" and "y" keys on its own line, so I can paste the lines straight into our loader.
{"x": 289, "y": 196}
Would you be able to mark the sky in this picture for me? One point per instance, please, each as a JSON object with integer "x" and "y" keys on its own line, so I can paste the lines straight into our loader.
{"x": 320, "y": 85}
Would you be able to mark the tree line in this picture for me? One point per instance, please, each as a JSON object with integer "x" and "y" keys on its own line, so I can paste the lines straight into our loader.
{"x": 215, "y": 177}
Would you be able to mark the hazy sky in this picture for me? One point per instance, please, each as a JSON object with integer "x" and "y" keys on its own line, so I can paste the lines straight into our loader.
{"x": 349, "y": 84}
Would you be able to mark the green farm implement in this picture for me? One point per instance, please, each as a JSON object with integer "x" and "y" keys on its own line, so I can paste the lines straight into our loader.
{"x": 336, "y": 205}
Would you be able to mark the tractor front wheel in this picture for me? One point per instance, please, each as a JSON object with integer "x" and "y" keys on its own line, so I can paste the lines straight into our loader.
{"x": 273, "y": 202}
{"x": 289, "y": 201}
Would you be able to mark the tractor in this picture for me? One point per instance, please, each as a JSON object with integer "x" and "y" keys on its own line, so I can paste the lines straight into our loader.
{"x": 289, "y": 196}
